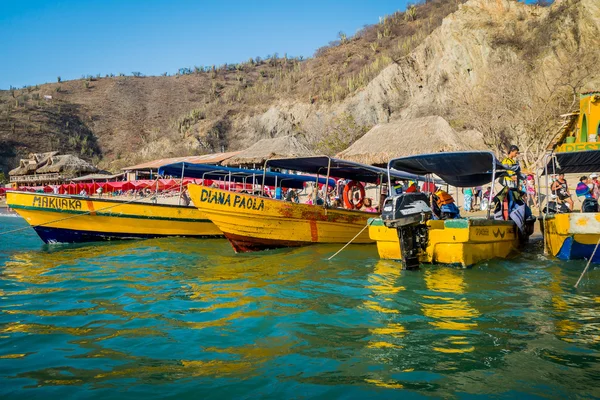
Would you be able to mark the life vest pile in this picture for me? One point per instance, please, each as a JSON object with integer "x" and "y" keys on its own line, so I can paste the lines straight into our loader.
{"x": 443, "y": 198}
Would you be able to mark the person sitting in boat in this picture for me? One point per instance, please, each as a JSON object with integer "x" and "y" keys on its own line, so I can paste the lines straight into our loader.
{"x": 561, "y": 189}
{"x": 337, "y": 203}
{"x": 443, "y": 205}
{"x": 83, "y": 193}
{"x": 368, "y": 205}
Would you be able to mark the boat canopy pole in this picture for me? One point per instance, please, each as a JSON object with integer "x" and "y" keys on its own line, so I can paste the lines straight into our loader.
{"x": 181, "y": 183}
{"x": 489, "y": 210}
{"x": 389, "y": 179}
{"x": 326, "y": 183}
{"x": 262, "y": 192}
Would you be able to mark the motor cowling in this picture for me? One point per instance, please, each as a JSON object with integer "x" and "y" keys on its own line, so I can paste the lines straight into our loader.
{"x": 406, "y": 209}
{"x": 408, "y": 213}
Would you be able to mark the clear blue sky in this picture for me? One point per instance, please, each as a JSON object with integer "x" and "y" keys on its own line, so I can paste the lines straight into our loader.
{"x": 40, "y": 40}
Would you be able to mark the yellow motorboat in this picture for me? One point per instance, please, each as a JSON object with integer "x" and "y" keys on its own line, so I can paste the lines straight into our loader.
{"x": 573, "y": 235}
{"x": 463, "y": 242}
{"x": 253, "y": 223}
{"x": 575, "y": 150}
{"x": 73, "y": 219}
{"x": 416, "y": 229}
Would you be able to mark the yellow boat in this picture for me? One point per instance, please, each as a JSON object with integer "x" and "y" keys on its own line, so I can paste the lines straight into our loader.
{"x": 253, "y": 223}
{"x": 73, "y": 219}
{"x": 463, "y": 242}
{"x": 413, "y": 231}
{"x": 573, "y": 235}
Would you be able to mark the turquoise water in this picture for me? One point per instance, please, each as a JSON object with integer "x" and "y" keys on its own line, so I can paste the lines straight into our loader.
{"x": 177, "y": 318}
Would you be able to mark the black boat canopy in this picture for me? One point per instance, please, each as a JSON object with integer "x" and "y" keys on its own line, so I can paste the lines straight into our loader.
{"x": 215, "y": 172}
{"x": 339, "y": 168}
{"x": 461, "y": 169}
{"x": 574, "y": 162}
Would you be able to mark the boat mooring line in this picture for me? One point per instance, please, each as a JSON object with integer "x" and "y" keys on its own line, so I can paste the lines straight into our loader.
{"x": 351, "y": 240}
{"x": 588, "y": 264}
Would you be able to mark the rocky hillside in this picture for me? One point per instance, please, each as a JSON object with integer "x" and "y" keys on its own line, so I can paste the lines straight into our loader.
{"x": 504, "y": 68}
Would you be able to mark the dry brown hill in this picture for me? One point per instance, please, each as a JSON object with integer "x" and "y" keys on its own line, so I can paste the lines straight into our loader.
{"x": 443, "y": 57}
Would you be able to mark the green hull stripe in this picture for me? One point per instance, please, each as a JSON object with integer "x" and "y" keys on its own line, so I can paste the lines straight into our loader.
{"x": 104, "y": 214}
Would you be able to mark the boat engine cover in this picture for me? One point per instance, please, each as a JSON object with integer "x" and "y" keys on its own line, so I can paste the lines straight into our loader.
{"x": 406, "y": 209}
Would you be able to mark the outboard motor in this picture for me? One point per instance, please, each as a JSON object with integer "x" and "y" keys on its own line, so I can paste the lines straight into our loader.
{"x": 408, "y": 213}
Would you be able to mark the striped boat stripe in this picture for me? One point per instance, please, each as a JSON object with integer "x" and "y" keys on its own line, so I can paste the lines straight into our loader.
{"x": 105, "y": 214}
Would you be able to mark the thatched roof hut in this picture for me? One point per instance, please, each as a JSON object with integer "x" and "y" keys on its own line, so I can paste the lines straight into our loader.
{"x": 265, "y": 149}
{"x": 409, "y": 137}
{"x": 30, "y": 165}
{"x": 67, "y": 164}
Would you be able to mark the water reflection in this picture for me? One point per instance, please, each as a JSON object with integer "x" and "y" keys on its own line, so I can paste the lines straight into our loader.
{"x": 449, "y": 309}
{"x": 173, "y": 314}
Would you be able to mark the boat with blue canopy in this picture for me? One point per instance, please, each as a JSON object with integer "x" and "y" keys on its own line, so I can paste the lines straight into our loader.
{"x": 259, "y": 222}
{"x": 414, "y": 228}
{"x": 570, "y": 235}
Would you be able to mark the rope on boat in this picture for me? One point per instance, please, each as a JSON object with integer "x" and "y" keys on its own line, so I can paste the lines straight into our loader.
{"x": 69, "y": 217}
{"x": 588, "y": 264}
{"x": 351, "y": 240}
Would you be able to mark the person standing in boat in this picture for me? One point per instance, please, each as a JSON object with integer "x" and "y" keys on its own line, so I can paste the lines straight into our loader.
{"x": 513, "y": 173}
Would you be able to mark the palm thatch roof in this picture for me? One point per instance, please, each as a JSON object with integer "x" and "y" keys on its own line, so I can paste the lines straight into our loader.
{"x": 409, "y": 137}
{"x": 31, "y": 164}
{"x": 265, "y": 149}
{"x": 67, "y": 164}
{"x": 24, "y": 168}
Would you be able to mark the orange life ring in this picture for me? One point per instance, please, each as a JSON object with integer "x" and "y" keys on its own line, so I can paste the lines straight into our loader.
{"x": 348, "y": 190}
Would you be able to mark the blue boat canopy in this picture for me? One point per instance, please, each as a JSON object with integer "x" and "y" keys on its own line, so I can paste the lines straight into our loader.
{"x": 215, "y": 172}
{"x": 461, "y": 169}
{"x": 574, "y": 162}
{"x": 339, "y": 168}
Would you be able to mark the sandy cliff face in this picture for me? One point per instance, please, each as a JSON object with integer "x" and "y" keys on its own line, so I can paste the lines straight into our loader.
{"x": 462, "y": 53}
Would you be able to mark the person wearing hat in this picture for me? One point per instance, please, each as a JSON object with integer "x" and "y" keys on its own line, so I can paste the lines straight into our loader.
{"x": 595, "y": 185}
{"x": 512, "y": 166}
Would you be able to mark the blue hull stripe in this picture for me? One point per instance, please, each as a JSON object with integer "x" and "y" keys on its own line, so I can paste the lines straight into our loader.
{"x": 572, "y": 250}
{"x": 59, "y": 235}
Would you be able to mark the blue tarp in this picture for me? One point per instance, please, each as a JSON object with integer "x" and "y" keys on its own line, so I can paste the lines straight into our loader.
{"x": 215, "y": 172}
{"x": 339, "y": 169}
{"x": 461, "y": 169}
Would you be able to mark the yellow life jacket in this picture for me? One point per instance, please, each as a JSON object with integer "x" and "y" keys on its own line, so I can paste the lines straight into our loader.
{"x": 509, "y": 162}
{"x": 443, "y": 198}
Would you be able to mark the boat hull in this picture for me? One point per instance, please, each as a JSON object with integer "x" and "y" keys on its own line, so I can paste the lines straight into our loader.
{"x": 253, "y": 223}
{"x": 463, "y": 242}
{"x": 572, "y": 236}
{"x": 75, "y": 219}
